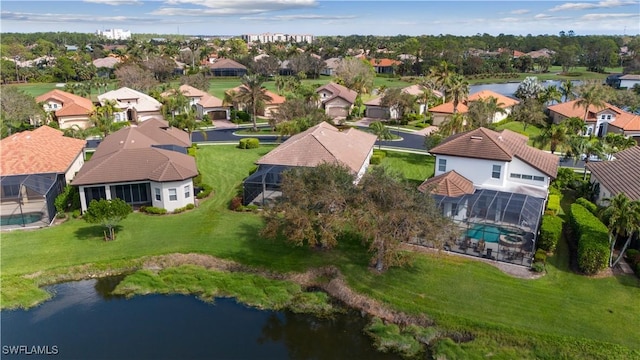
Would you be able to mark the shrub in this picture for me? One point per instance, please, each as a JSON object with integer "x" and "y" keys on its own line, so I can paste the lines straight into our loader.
{"x": 382, "y": 153}
{"x": 205, "y": 190}
{"x": 191, "y": 150}
{"x": 235, "y": 203}
{"x": 68, "y": 199}
{"x": 76, "y": 213}
{"x": 190, "y": 206}
{"x": 249, "y": 143}
{"x": 593, "y": 208}
{"x": 553, "y": 205}
{"x": 239, "y": 116}
{"x": 537, "y": 267}
{"x": 153, "y": 210}
{"x": 550, "y": 233}
{"x": 540, "y": 256}
{"x": 251, "y": 207}
{"x": 375, "y": 159}
{"x": 593, "y": 249}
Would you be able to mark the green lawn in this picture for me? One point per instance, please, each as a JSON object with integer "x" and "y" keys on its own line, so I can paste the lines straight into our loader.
{"x": 558, "y": 316}
{"x": 517, "y": 126}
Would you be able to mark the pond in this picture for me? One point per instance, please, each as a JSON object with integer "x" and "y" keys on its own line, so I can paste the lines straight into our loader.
{"x": 83, "y": 321}
{"x": 508, "y": 89}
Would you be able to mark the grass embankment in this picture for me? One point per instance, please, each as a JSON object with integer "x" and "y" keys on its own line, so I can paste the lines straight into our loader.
{"x": 562, "y": 315}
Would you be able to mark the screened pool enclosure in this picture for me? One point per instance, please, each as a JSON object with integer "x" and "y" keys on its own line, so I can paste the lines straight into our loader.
{"x": 263, "y": 186}
{"x": 494, "y": 224}
{"x": 28, "y": 200}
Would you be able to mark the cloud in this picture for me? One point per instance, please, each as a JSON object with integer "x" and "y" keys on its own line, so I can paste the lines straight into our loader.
{"x": 73, "y": 18}
{"x": 115, "y": 2}
{"x": 519, "y": 11}
{"x": 594, "y": 5}
{"x": 229, "y": 7}
{"x": 298, "y": 17}
{"x": 592, "y": 17}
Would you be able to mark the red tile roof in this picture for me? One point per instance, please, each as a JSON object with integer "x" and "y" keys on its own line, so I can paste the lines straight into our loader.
{"x": 43, "y": 150}
{"x": 627, "y": 122}
{"x": 449, "y": 184}
{"x": 482, "y": 143}
{"x": 447, "y": 108}
{"x": 323, "y": 143}
{"x": 275, "y": 98}
{"x": 570, "y": 109}
{"x": 486, "y": 94}
{"x": 621, "y": 175}
{"x": 384, "y": 62}
{"x": 71, "y": 104}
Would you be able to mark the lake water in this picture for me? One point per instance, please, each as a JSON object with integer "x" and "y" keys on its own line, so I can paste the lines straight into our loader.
{"x": 83, "y": 321}
{"x": 508, "y": 89}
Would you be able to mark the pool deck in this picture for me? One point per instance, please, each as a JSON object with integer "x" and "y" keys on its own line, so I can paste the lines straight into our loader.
{"x": 9, "y": 208}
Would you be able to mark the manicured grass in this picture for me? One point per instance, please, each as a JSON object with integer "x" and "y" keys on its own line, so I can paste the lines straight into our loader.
{"x": 516, "y": 126}
{"x": 562, "y": 315}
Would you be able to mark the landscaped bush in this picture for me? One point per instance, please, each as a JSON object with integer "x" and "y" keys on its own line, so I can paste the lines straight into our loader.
{"x": 235, "y": 203}
{"x": 593, "y": 249}
{"x": 550, "y": 233}
{"x": 191, "y": 150}
{"x": 68, "y": 199}
{"x": 153, "y": 210}
{"x": 537, "y": 267}
{"x": 375, "y": 159}
{"x": 382, "y": 153}
{"x": 75, "y": 214}
{"x": 184, "y": 208}
{"x": 239, "y": 116}
{"x": 593, "y": 208}
{"x": 205, "y": 190}
{"x": 249, "y": 143}
{"x": 540, "y": 256}
{"x": 553, "y": 205}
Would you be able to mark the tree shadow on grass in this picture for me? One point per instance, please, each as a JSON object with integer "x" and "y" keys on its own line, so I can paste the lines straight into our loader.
{"x": 94, "y": 232}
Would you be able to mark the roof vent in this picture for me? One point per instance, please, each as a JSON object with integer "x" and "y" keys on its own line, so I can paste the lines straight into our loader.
{"x": 476, "y": 138}
{"x": 500, "y": 138}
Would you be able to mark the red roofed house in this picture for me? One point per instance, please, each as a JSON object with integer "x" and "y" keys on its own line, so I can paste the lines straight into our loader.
{"x": 69, "y": 110}
{"x": 270, "y": 106}
{"x": 600, "y": 120}
{"x": 373, "y": 109}
{"x": 36, "y": 165}
{"x": 336, "y": 100}
{"x": 143, "y": 165}
{"x": 443, "y": 112}
{"x": 495, "y": 187}
{"x": 319, "y": 144}
{"x": 384, "y": 66}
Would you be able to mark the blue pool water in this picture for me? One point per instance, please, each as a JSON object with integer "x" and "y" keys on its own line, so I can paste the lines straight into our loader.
{"x": 489, "y": 233}
{"x": 17, "y": 219}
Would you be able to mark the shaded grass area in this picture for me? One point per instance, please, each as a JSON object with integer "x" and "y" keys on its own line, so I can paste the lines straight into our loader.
{"x": 250, "y": 289}
{"x": 560, "y": 315}
{"x": 516, "y": 126}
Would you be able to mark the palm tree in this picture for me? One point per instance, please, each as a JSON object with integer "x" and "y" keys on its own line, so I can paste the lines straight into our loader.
{"x": 441, "y": 75}
{"x": 381, "y": 131}
{"x": 623, "y": 218}
{"x": 458, "y": 88}
{"x": 574, "y": 125}
{"x": 566, "y": 88}
{"x": 585, "y": 147}
{"x": 612, "y": 143}
{"x": 553, "y": 135}
{"x": 551, "y": 94}
{"x": 253, "y": 94}
{"x": 591, "y": 96}
{"x": 103, "y": 115}
{"x": 457, "y": 123}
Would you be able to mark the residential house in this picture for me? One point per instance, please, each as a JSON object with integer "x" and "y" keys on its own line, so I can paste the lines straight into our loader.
{"x": 599, "y": 120}
{"x": 336, "y": 100}
{"x": 374, "y": 109}
{"x": 68, "y": 110}
{"x": 443, "y": 112}
{"x": 330, "y": 67}
{"x": 269, "y": 107}
{"x": 319, "y": 144}
{"x": 384, "y": 66}
{"x": 204, "y": 103}
{"x": 35, "y": 167}
{"x": 628, "y": 81}
{"x": 134, "y": 105}
{"x": 227, "y": 67}
{"x": 494, "y": 186}
{"x": 620, "y": 175}
{"x": 143, "y": 165}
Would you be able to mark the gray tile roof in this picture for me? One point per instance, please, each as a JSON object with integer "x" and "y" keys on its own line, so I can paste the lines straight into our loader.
{"x": 621, "y": 175}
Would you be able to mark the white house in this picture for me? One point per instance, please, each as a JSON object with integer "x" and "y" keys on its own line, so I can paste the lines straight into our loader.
{"x": 204, "y": 103}
{"x": 628, "y": 81}
{"x": 115, "y": 34}
{"x": 134, "y": 105}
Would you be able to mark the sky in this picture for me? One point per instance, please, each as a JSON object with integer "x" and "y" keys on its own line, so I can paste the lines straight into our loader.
{"x": 320, "y": 17}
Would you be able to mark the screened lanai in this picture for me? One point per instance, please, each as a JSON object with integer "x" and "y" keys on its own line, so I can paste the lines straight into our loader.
{"x": 263, "y": 186}
{"x": 28, "y": 200}
{"x": 495, "y": 224}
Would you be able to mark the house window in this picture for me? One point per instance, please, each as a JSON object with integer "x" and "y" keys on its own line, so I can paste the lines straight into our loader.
{"x": 496, "y": 171}
{"x": 589, "y": 131}
{"x": 158, "y": 194}
{"x": 173, "y": 194}
{"x": 608, "y": 117}
{"x": 527, "y": 177}
{"x": 454, "y": 210}
{"x": 515, "y": 176}
{"x": 187, "y": 192}
{"x": 538, "y": 178}
{"x": 442, "y": 165}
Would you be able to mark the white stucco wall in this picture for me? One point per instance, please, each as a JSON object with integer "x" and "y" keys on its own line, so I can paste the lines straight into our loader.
{"x": 68, "y": 122}
{"x": 165, "y": 202}
{"x": 363, "y": 168}
{"x": 74, "y": 167}
{"x": 477, "y": 171}
{"x": 518, "y": 166}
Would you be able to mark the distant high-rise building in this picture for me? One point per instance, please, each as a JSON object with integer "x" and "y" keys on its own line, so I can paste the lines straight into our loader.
{"x": 277, "y": 37}
{"x": 115, "y": 34}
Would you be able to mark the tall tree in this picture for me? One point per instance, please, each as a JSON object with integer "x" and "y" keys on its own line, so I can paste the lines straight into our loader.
{"x": 551, "y": 95}
{"x": 103, "y": 117}
{"x": 457, "y": 123}
{"x": 567, "y": 90}
{"x": 381, "y": 131}
{"x": 253, "y": 94}
{"x": 482, "y": 112}
{"x": 553, "y": 135}
{"x": 18, "y": 110}
{"x": 398, "y": 101}
{"x": 458, "y": 90}
{"x": 529, "y": 112}
{"x": 623, "y": 219}
{"x": 441, "y": 75}
{"x": 529, "y": 88}
{"x": 584, "y": 148}
{"x": 356, "y": 74}
{"x": 590, "y": 95}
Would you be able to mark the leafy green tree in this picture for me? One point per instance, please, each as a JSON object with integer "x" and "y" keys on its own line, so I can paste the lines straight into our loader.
{"x": 553, "y": 135}
{"x": 482, "y": 112}
{"x": 529, "y": 88}
{"x": 457, "y": 123}
{"x": 622, "y": 217}
{"x": 103, "y": 117}
{"x": 108, "y": 213}
{"x": 253, "y": 94}
{"x": 583, "y": 148}
{"x": 381, "y": 131}
{"x": 398, "y": 101}
{"x": 574, "y": 125}
{"x": 550, "y": 95}
{"x": 18, "y": 110}
{"x": 356, "y": 74}
{"x": 612, "y": 143}
{"x": 529, "y": 112}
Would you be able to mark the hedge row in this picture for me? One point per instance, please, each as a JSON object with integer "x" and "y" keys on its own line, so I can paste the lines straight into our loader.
{"x": 553, "y": 206}
{"x": 593, "y": 249}
{"x": 550, "y": 232}
{"x": 593, "y": 208}
{"x": 249, "y": 143}
{"x": 377, "y": 157}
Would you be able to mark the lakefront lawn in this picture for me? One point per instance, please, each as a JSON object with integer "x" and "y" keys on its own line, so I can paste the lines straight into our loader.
{"x": 561, "y": 315}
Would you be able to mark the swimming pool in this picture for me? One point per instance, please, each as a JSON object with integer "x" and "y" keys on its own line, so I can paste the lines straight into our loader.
{"x": 488, "y": 233}
{"x": 17, "y": 219}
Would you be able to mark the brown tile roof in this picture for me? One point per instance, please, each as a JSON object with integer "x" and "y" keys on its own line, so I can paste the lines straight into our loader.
{"x": 275, "y": 98}
{"x": 482, "y": 143}
{"x": 340, "y": 91}
{"x": 415, "y": 90}
{"x": 569, "y": 109}
{"x": 186, "y": 90}
{"x": 71, "y": 104}
{"x": 210, "y": 101}
{"x": 323, "y": 143}
{"x": 486, "y": 94}
{"x": 621, "y": 175}
{"x": 43, "y": 150}
{"x": 129, "y": 155}
{"x": 226, "y": 64}
{"x": 627, "y": 122}
{"x": 449, "y": 184}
